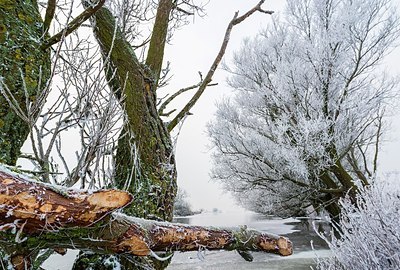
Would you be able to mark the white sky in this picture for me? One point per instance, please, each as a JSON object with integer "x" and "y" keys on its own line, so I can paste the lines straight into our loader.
{"x": 193, "y": 49}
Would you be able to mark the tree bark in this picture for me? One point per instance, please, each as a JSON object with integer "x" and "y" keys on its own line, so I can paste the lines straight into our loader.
{"x": 24, "y": 71}
{"x": 158, "y": 39}
{"x": 151, "y": 175}
{"x": 35, "y": 215}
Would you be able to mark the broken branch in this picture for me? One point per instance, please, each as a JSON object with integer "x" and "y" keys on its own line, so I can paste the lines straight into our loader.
{"x": 54, "y": 217}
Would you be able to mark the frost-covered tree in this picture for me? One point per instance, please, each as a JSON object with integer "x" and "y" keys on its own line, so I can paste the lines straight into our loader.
{"x": 181, "y": 205}
{"x": 307, "y": 118}
{"x": 369, "y": 232}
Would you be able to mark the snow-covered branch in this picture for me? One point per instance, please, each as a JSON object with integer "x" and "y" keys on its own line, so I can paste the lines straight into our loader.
{"x": 45, "y": 216}
{"x": 74, "y": 24}
{"x": 367, "y": 236}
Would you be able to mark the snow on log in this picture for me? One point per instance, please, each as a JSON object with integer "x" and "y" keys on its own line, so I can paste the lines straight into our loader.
{"x": 161, "y": 236}
{"x": 54, "y": 217}
{"x": 42, "y": 207}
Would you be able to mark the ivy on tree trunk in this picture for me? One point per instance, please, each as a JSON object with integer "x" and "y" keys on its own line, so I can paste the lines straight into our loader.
{"x": 24, "y": 71}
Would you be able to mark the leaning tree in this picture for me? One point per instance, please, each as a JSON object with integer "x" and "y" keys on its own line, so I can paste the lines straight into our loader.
{"x": 102, "y": 86}
{"x": 306, "y": 121}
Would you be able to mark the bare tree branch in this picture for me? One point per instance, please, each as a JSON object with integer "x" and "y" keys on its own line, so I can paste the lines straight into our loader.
{"x": 179, "y": 92}
{"x": 236, "y": 20}
{"x": 377, "y": 142}
{"x": 73, "y": 25}
{"x": 50, "y": 11}
{"x": 158, "y": 40}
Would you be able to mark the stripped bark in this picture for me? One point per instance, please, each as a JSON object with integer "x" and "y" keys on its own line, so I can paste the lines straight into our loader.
{"x": 41, "y": 208}
{"x": 33, "y": 214}
{"x": 42, "y": 216}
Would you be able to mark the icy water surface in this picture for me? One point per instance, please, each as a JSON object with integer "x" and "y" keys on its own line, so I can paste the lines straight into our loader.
{"x": 300, "y": 232}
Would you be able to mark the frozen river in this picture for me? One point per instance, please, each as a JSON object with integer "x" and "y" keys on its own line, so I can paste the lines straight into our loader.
{"x": 300, "y": 233}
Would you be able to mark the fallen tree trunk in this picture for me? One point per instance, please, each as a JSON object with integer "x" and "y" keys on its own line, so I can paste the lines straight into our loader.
{"x": 35, "y": 216}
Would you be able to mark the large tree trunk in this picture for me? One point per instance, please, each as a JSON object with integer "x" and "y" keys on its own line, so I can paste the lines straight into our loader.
{"x": 24, "y": 72}
{"x": 35, "y": 215}
{"x": 24, "y": 75}
{"x": 150, "y": 175}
